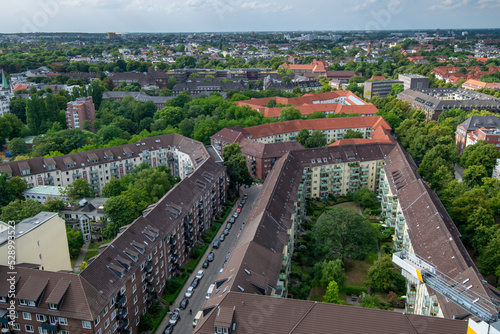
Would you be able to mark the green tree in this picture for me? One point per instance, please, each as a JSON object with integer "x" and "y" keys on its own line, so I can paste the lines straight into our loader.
{"x": 381, "y": 275}
{"x": 482, "y": 153}
{"x": 78, "y": 189}
{"x": 489, "y": 260}
{"x": 331, "y": 271}
{"x": 396, "y": 89}
{"x": 165, "y": 92}
{"x": 154, "y": 182}
{"x": 113, "y": 188}
{"x": 317, "y": 139}
{"x": 302, "y": 137}
{"x": 369, "y": 301}
{"x": 53, "y": 205}
{"x": 236, "y": 165}
{"x": 344, "y": 234}
{"x": 332, "y": 294}
{"x": 19, "y": 210}
{"x": 474, "y": 174}
{"x": 353, "y": 134}
{"x": 75, "y": 241}
{"x": 18, "y": 186}
{"x": 364, "y": 197}
{"x": 290, "y": 114}
{"x": 271, "y": 103}
{"x": 7, "y": 191}
{"x": 17, "y": 146}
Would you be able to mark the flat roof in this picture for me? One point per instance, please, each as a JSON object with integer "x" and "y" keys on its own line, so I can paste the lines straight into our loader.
{"x": 27, "y": 225}
{"x": 44, "y": 190}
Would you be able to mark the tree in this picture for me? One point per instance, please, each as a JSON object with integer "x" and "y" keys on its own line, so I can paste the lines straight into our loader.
{"x": 113, "y": 188}
{"x": 330, "y": 271}
{"x": 489, "y": 260}
{"x": 78, "y": 189}
{"x": 332, "y": 294}
{"x": 75, "y": 241}
{"x": 396, "y": 89}
{"x": 474, "y": 174}
{"x": 165, "y": 92}
{"x": 18, "y": 186}
{"x": 344, "y": 234}
{"x": 19, "y": 210}
{"x": 154, "y": 182}
{"x": 271, "y": 103}
{"x": 364, "y": 197}
{"x": 317, "y": 139}
{"x": 236, "y": 165}
{"x": 302, "y": 137}
{"x": 381, "y": 274}
{"x": 353, "y": 134}
{"x": 369, "y": 301}
{"x": 123, "y": 209}
{"x": 17, "y": 146}
{"x": 482, "y": 153}
{"x": 290, "y": 114}
{"x": 53, "y": 205}
{"x": 7, "y": 191}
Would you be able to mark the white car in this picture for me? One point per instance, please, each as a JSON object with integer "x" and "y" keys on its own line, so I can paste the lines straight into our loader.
{"x": 189, "y": 292}
{"x": 174, "y": 318}
{"x": 199, "y": 274}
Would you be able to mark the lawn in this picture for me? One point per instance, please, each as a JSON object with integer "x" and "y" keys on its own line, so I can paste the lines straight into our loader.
{"x": 348, "y": 205}
{"x": 356, "y": 272}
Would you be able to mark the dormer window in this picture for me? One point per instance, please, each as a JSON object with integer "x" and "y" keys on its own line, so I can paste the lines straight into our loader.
{"x": 53, "y": 306}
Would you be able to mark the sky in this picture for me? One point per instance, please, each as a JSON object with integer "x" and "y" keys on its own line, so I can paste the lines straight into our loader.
{"x": 130, "y": 16}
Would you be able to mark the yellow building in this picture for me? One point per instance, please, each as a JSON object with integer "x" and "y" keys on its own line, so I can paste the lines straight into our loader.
{"x": 39, "y": 241}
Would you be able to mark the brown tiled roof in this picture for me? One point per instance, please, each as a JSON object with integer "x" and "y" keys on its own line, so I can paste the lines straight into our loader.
{"x": 265, "y": 130}
{"x": 227, "y": 135}
{"x": 33, "y": 288}
{"x": 58, "y": 292}
{"x": 263, "y": 314}
{"x": 274, "y": 150}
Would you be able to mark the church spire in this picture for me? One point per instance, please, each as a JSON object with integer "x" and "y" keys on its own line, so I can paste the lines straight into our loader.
{"x": 5, "y": 84}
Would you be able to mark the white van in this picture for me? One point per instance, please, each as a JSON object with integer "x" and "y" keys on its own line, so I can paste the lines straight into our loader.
{"x": 197, "y": 318}
{"x": 210, "y": 290}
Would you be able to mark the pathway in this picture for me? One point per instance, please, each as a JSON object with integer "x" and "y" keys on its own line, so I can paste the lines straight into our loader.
{"x": 81, "y": 257}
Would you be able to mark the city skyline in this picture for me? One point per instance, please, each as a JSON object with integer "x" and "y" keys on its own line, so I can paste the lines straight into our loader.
{"x": 242, "y": 15}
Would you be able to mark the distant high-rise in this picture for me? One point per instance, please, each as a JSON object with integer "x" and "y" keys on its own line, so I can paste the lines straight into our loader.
{"x": 79, "y": 111}
{"x": 113, "y": 35}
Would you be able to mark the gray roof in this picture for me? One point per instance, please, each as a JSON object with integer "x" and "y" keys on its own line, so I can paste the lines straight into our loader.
{"x": 27, "y": 225}
{"x": 476, "y": 122}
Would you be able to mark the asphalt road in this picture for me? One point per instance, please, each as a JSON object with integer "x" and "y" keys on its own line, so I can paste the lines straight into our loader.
{"x": 185, "y": 323}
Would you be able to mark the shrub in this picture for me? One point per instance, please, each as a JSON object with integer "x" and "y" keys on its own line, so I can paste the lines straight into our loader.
{"x": 354, "y": 290}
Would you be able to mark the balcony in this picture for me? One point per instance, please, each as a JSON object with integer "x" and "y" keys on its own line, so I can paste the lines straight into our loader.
{"x": 124, "y": 325}
{"x": 50, "y": 327}
{"x": 114, "y": 167}
{"x": 94, "y": 172}
{"x": 94, "y": 178}
{"x": 115, "y": 173}
{"x": 129, "y": 164}
{"x": 121, "y": 301}
{"x": 48, "y": 179}
{"x": 149, "y": 266}
{"x": 77, "y": 174}
{"x": 122, "y": 314}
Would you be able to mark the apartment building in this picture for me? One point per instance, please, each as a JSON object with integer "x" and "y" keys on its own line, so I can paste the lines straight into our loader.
{"x": 87, "y": 216}
{"x": 319, "y": 67}
{"x": 120, "y": 283}
{"x": 227, "y": 136}
{"x": 260, "y": 261}
{"x": 477, "y": 128}
{"x": 380, "y": 88}
{"x": 238, "y": 312}
{"x": 79, "y": 111}
{"x": 142, "y": 97}
{"x": 414, "y": 81}
{"x": 40, "y": 242}
{"x": 44, "y": 193}
{"x": 182, "y": 155}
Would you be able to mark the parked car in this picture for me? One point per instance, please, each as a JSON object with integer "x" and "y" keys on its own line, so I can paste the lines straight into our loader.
{"x": 174, "y": 318}
{"x": 195, "y": 282}
{"x": 243, "y": 201}
{"x": 236, "y": 214}
{"x": 197, "y": 318}
{"x": 245, "y": 196}
{"x": 199, "y": 274}
{"x": 189, "y": 292}
{"x": 222, "y": 237}
{"x": 169, "y": 329}
{"x": 210, "y": 256}
{"x": 205, "y": 265}
{"x": 226, "y": 232}
{"x": 232, "y": 220}
{"x": 238, "y": 210}
{"x": 229, "y": 225}
{"x": 184, "y": 303}
{"x": 216, "y": 243}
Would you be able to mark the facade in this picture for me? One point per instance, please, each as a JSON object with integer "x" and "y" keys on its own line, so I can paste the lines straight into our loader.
{"x": 472, "y": 84}
{"x": 380, "y": 88}
{"x": 319, "y": 67}
{"x": 142, "y": 97}
{"x": 414, "y": 81}
{"x": 433, "y": 101}
{"x": 260, "y": 261}
{"x": 4, "y": 96}
{"x": 154, "y": 77}
{"x": 496, "y": 170}
{"x": 246, "y": 74}
{"x": 79, "y": 111}
{"x": 477, "y": 128}
{"x": 201, "y": 87}
{"x": 227, "y": 136}
{"x": 44, "y": 193}
{"x": 87, "y": 216}
{"x": 40, "y": 242}
{"x": 120, "y": 283}
{"x": 97, "y": 167}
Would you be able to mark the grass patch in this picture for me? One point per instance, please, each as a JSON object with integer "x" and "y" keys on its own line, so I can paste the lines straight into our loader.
{"x": 348, "y": 205}
{"x": 317, "y": 294}
{"x": 371, "y": 258}
{"x": 356, "y": 272}
{"x": 90, "y": 254}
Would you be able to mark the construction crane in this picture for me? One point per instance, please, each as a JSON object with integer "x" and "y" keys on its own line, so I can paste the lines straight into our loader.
{"x": 460, "y": 293}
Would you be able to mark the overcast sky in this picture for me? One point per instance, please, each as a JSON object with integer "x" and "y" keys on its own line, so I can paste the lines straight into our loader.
{"x": 244, "y": 15}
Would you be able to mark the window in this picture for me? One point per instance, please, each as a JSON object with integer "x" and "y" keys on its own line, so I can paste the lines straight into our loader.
{"x": 137, "y": 321}
{"x": 26, "y": 316}
{"x": 105, "y": 311}
{"x": 134, "y": 288}
{"x": 29, "y": 328}
{"x": 16, "y": 327}
{"x": 135, "y": 300}
{"x": 106, "y": 323}
{"x": 97, "y": 321}
{"x": 40, "y": 317}
{"x": 3, "y": 300}
{"x": 63, "y": 321}
{"x": 136, "y": 310}
{"x": 53, "y": 306}
{"x": 113, "y": 314}
{"x": 99, "y": 331}
{"x": 115, "y": 326}
{"x": 86, "y": 324}
{"x": 122, "y": 290}
{"x": 133, "y": 277}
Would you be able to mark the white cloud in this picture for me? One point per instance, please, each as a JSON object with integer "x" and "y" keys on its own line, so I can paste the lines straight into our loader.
{"x": 361, "y": 6}
{"x": 450, "y": 4}
{"x": 488, "y": 4}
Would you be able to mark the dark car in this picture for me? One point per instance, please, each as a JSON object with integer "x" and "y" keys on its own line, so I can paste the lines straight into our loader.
{"x": 226, "y": 232}
{"x": 232, "y": 220}
{"x": 169, "y": 329}
{"x": 243, "y": 201}
{"x": 210, "y": 257}
{"x": 216, "y": 243}
{"x": 184, "y": 303}
{"x": 205, "y": 265}
{"x": 229, "y": 225}
{"x": 245, "y": 196}
{"x": 195, "y": 282}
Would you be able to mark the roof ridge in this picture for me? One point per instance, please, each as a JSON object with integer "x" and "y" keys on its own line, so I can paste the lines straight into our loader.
{"x": 409, "y": 321}
{"x": 302, "y": 318}
{"x": 81, "y": 278}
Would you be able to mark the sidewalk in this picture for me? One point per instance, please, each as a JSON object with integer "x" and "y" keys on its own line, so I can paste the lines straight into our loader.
{"x": 81, "y": 257}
